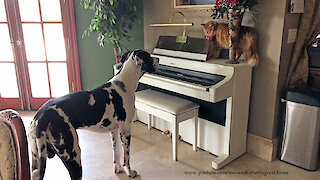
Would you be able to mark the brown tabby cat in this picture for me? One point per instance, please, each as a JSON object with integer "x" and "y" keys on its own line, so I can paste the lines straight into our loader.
{"x": 247, "y": 42}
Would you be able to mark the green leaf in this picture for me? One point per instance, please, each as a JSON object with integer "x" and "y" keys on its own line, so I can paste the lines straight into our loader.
{"x": 255, "y": 15}
{"x": 113, "y": 15}
{"x": 112, "y": 19}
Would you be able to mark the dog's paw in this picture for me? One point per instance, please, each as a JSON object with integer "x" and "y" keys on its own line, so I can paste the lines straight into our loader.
{"x": 117, "y": 168}
{"x": 130, "y": 173}
{"x": 35, "y": 174}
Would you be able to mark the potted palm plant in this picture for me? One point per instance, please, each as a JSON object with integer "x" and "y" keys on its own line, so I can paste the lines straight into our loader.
{"x": 112, "y": 21}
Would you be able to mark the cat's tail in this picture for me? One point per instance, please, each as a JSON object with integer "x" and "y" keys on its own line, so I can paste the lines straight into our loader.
{"x": 252, "y": 55}
{"x": 253, "y": 59}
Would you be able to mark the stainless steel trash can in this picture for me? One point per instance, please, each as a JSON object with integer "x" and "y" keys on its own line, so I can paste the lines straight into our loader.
{"x": 301, "y": 138}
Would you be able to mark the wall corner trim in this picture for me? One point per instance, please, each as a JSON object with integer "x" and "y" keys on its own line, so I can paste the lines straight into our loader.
{"x": 262, "y": 147}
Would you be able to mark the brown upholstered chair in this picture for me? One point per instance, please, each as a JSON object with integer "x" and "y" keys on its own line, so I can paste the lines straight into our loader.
{"x": 14, "y": 159}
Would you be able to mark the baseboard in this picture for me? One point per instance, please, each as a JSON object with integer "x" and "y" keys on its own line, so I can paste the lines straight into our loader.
{"x": 262, "y": 147}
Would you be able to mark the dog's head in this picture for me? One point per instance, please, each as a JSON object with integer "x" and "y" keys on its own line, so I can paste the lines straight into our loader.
{"x": 142, "y": 59}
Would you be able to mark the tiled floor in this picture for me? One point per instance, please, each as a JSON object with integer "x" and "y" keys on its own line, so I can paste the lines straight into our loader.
{"x": 151, "y": 157}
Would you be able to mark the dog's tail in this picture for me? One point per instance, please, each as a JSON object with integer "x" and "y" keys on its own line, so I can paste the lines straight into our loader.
{"x": 38, "y": 152}
{"x": 252, "y": 56}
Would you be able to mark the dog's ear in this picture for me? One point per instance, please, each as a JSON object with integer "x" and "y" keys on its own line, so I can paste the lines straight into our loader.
{"x": 125, "y": 56}
{"x": 136, "y": 54}
{"x": 144, "y": 60}
{"x": 137, "y": 58}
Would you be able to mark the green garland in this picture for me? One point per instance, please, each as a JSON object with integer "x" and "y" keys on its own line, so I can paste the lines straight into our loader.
{"x": 222, "y": 6}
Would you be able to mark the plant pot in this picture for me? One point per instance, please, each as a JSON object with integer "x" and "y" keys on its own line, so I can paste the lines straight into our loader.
{"x": 234, "y": 25}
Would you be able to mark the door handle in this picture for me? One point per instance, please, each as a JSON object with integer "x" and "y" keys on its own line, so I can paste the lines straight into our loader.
{"x": 19, "y": 42}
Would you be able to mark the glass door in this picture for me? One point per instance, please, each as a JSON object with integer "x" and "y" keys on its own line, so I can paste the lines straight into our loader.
{"x": 9, "y": 91}
{"x": 45, "y": 49}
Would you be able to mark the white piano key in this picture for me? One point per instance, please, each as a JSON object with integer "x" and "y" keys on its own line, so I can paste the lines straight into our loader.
{"x": 188, "y": 89}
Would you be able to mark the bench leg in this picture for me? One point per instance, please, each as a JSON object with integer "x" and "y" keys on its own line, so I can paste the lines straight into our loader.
{"x": 149, "y": 121}
{"x": 195, "y": 130}
{"x": 175, "y": 134}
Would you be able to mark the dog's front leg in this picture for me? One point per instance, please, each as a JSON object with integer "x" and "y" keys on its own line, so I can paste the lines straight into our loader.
{"x": 125, "y": 141}
{"x": 117, "y": 168}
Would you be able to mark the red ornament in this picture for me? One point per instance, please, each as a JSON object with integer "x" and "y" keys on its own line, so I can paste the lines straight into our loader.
{"x": 233, "y": 2}
{"x": 218, "y": 3}
{"x": 208, "y": 37}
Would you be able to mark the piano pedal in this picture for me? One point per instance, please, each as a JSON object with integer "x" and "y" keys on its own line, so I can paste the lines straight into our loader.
{"x": 166, "y": 132}
{"x": 170, "y": 136}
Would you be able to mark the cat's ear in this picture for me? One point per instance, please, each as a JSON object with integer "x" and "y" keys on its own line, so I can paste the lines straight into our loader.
{"x": 212, "y": 23}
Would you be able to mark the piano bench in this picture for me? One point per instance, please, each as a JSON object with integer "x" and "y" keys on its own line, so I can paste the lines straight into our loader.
{"x": 170, "y": 108}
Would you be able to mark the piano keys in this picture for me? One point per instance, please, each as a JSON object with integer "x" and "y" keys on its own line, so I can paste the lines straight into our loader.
{"x": 218, "y": 72}
{"x": 189, "y": 76}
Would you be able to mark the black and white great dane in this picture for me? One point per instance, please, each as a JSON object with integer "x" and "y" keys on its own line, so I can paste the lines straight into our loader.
{"x": 108, "y": 108}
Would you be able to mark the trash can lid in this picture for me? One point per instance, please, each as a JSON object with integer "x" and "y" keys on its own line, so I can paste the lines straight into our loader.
{"x": 304, "y": 95}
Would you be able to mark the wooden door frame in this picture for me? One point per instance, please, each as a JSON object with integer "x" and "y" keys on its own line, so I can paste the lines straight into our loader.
{"x": 11, "y": 21}
{"x": 72, "y": 59}
{"x": 74, "y": 66}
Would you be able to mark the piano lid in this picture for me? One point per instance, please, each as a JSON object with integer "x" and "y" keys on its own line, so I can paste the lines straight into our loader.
{"x": 193, "y": 49}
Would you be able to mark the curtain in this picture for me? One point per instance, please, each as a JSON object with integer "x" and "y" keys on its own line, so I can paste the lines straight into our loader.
{"x": 309, "y": 28}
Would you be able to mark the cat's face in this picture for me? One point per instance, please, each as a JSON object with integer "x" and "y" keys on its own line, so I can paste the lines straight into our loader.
{"x": 208, "y": 27}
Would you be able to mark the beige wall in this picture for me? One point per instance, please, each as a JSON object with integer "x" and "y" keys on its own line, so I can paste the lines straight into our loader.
{"x": 264, "y": 97}
{"x": 265, "y": 76}
{"x": 159, "y": 11}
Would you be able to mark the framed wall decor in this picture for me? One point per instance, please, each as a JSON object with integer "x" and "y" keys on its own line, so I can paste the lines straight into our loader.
{"x": 193, "y": 3}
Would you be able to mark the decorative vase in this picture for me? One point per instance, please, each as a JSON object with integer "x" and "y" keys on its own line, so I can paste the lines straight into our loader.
{"x": 234, "y": 25}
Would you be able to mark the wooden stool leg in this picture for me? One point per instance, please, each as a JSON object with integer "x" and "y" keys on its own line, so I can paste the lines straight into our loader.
{"x": 195, "y": 130}
{"x": 175, "y": 134}
{"x": 149, "y": 121}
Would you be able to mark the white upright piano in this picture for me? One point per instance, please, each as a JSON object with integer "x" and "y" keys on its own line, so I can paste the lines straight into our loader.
{"x": 221, "y": 89}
